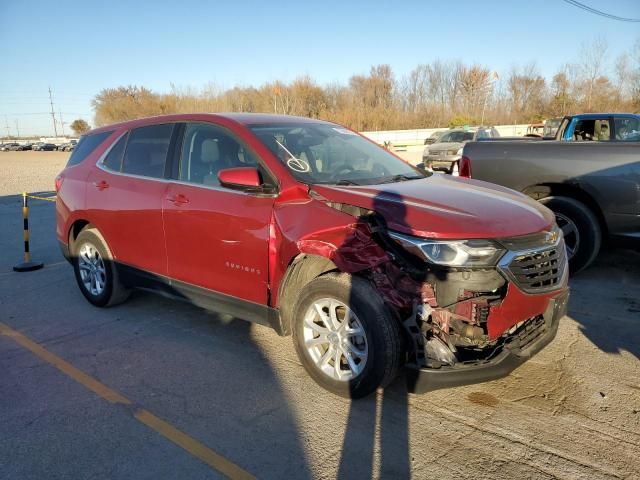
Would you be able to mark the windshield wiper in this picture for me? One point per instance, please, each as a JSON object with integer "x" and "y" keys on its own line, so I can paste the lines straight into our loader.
{"x": 402, "y": 178}
{"x": 346, "y": 182}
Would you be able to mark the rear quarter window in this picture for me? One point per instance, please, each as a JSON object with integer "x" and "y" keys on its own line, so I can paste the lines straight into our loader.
{"x": 147, "y": 149}
{"x": 86, "y": 146}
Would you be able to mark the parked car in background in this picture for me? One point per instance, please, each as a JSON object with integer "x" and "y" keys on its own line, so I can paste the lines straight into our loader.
{"x": 36, "y": 146}
{"x": 434, "y": 137}
{"x": 602, "y": 127}
{"x": 535, "y": 130}
{"x": 443, "y": 155}
{"x": 19, "y": 147}
{"x": 308, "y": 227}
{"x": 589, "y": 177}
{"x": 67, "y": 147}
{"x": 5, "y": 147}
{"x": 49, "y": 147}
{"x": 551, "y": 127}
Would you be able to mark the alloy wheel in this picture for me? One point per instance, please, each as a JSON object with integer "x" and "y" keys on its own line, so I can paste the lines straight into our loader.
{"x": 335, "y": 339}
{"x": 92, "y": 270}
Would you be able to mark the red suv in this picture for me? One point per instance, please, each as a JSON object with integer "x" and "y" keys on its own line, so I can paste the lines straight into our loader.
{"x": 304, "y": 225}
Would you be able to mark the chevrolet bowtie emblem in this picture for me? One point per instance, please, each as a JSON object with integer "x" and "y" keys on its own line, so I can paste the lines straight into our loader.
{"x": 551, "y": 237}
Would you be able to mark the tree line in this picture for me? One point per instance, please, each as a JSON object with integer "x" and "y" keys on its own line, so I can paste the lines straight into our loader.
{"x": 443, "y": 92}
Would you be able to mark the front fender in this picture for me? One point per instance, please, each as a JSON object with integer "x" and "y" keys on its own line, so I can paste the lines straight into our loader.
{"x": 313, "y": 228}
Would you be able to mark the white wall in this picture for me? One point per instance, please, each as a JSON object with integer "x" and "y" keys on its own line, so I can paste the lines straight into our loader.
{"x": 417, "y": 137}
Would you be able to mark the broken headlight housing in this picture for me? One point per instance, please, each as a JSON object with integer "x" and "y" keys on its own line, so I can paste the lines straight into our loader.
{"x": 452, "y": 253}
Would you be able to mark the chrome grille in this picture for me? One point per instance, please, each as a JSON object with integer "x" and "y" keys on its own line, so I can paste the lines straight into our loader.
{"x": 538, "y": 270}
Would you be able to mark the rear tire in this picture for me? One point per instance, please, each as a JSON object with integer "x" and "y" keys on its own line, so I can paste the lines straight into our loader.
{"x": 583, "y": 235}
{"x": 366, "y": 342}
{"x": 95, "y": 270}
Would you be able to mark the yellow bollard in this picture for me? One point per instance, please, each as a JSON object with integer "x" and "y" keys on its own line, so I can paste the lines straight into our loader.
{"x": 27, "y": 265}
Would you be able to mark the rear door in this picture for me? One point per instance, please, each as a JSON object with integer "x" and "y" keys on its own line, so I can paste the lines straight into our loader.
{"x": 217, "y": 238}
{"x": 124, "y": 197}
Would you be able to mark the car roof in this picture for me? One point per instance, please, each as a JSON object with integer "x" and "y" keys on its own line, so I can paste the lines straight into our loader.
{"x": 241, "y": 118}
{"x": 589, "y": 116}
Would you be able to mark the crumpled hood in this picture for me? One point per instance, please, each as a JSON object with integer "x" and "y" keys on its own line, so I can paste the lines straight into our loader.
{"x": 442, "y": 206}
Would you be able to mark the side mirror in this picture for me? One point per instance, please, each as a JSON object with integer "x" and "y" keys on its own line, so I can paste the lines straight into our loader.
{"x": 240, "y": 178}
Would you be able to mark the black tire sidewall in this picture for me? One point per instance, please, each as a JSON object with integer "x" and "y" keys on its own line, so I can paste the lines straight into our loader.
{"x": 88, "y": 236}
{"x": 381, "y": 330}
{"x": 588, "y": 229}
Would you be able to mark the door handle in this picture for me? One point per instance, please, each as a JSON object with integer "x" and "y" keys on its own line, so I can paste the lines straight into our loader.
{"x": 101, "y": 185}
{"x": 179, "y": 199}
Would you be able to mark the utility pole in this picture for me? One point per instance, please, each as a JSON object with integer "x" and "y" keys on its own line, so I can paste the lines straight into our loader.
{"x": 7, "y": 124}
{"x": 17, "y": 128}
{"x": 61, "y": 122}
{"x": 53, "y": 115}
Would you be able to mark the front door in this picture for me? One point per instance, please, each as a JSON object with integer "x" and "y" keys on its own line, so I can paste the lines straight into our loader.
{"x": 216, "y": 238}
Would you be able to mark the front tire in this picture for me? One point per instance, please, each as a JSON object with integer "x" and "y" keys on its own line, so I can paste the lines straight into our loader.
{"x": 581, "y": 229}
{"x": 344, "y": 335}
{"x": 95, "y": 270}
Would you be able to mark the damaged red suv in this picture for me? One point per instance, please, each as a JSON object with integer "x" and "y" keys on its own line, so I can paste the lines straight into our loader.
{"x": 303, "y": 225}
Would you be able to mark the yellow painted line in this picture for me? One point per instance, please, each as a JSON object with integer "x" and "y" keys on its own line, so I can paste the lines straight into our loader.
{"x": 64, "y": 366}
{"x": 191, "y": 445}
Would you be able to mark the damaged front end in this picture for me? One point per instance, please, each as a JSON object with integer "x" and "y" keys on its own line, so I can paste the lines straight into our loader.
{"x": 472, "y": 310}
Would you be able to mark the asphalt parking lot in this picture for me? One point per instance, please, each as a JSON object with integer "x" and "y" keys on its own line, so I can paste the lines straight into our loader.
{"x": 207, "y": 394}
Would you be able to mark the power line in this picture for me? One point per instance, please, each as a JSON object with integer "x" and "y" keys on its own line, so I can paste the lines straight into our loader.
{"x": 589, "y": 9}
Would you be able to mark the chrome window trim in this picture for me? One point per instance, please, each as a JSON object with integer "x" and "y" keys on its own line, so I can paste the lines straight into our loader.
{"x": 101, "y": 166}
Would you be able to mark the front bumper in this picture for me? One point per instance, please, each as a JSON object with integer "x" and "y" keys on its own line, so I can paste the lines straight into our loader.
{"x": 440, "y": 163}
{"x": 513, "y": 354}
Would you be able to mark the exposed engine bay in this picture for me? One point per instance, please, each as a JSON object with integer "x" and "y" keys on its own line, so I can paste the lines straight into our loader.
{"x": 450, "y": 315}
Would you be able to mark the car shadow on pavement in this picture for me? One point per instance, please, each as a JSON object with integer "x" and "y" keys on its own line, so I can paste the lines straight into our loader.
{"x": 202, "y": 372}
{"x": 377, "y": 431}
{"x": 377, "y": 426}
{"x": 605, "y": 300}
{"x": 212, "y": 377}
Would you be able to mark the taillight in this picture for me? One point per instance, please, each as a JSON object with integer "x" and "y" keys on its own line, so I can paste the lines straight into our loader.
{"x": 464, "y": 167}
{"x": 58, "y": 182}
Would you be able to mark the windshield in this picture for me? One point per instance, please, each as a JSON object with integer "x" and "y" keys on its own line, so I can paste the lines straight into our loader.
{"x": 327, "y": 153}
{"x": 456, "y": 137}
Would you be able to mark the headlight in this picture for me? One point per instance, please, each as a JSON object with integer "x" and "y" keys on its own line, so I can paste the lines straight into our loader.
{"x": 452, "y": 253}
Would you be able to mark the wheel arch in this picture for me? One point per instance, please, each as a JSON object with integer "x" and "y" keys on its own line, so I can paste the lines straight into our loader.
{"x": 301, "y": 270}
{"x": 543, "y": 190}
{"x": 74, "y": 230}
{"x": 83, "y": 224}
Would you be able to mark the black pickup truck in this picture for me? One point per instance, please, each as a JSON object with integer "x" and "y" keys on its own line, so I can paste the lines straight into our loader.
{"x": 589, "y": 176}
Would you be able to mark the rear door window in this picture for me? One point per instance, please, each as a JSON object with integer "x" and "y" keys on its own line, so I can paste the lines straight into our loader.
{"x": 146, "y": 151}
{"x": 86, "y": 145}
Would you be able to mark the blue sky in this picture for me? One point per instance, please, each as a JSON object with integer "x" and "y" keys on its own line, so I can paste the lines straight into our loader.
{"x": 79, "y": 48}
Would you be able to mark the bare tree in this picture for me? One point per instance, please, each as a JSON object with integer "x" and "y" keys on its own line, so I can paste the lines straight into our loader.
{"x": 431, "y": 95}
{"x": 527, "y": 89}
{"x": 592, "y": 65}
